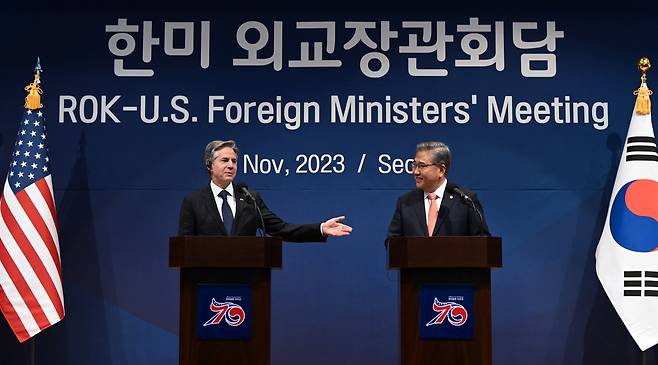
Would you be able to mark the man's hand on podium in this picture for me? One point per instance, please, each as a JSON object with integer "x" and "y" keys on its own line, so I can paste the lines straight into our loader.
{"x": 333, "y": 227}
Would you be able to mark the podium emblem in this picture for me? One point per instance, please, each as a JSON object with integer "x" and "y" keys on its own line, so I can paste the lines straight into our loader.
{"x": 456, "y": 314}
{"x": 223, "y": 312}
{"x": 446, "y": 312}
{"x": 231, "y": 313}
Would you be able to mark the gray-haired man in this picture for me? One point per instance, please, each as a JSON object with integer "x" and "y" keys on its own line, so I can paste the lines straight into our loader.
{"x": 436, "y": 207}
{"x": 221, "y": 209}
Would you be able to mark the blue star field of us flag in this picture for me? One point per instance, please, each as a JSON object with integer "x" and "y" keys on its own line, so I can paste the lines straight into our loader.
{"x": 30, "y": 160}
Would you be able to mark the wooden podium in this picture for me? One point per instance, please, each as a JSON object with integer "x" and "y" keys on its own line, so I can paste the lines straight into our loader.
{"x": 230, "y": 261}
{"x": 445, "y": 260}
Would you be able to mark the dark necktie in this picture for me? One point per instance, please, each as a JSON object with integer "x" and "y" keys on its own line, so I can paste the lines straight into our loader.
{"x": 227, "y": 215}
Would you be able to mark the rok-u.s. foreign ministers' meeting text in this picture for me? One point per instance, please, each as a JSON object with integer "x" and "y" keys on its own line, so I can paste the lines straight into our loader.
{"x": 339, "y": 183}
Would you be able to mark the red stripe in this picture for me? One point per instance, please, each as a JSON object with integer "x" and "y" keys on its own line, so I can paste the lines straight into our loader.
{"x": 23, "y": 289}
{"x": 12, "y": 317}
{"x": 36, "y": 264}
{"x": 28, "y": 250}
{"x": 35, "y": 261}
{"x": 41, "y": 227}
{"x": 48, "y": 197}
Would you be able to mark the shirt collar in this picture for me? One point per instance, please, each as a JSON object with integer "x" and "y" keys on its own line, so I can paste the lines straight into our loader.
{"x": 216, "y": 189}
{"x": 439, "y": 191}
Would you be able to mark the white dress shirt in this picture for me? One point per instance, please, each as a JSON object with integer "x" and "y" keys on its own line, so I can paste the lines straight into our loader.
{"x": 231, "y": 200}
{"x": 219, "y": 201}
{"x": 440, "y": 191}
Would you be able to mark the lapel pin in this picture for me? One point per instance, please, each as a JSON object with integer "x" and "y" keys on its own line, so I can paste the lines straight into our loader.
{"x": 450, "y": 196}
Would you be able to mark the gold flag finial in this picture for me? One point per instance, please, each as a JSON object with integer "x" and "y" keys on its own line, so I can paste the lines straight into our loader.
{"x": 33, "y": 98}
{"x": 643, "y": 103}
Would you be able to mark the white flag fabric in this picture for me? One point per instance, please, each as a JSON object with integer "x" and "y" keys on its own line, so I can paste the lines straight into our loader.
{"x": 627, "y": 256}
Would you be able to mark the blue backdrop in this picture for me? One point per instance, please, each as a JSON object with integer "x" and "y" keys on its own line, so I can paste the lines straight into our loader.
{"x": 118, "y": 186}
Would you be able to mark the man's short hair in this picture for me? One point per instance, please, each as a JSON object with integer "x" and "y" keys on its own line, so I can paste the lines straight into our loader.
{"x": 213, "y": 146}
{"x": 439, "y": 152}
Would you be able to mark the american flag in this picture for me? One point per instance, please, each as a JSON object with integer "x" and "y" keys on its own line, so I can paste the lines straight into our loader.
{"x": 31, "y": 297}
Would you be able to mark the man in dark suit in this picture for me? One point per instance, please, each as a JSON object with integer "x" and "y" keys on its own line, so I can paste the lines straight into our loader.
{"x": 436, "y": 207}
{"x": 222, "y": 208}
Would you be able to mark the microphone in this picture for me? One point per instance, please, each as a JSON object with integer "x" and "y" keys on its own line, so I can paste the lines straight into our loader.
{"x": 466, "y": 199}
{"x": 461, "y": 194}
{"x": 244, "y": 189}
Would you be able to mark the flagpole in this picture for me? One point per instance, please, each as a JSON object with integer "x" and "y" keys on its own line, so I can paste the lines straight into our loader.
{"x": 37, "y": 80}
{"x": 32, "y": 350}
{"x": 643, "y": 106}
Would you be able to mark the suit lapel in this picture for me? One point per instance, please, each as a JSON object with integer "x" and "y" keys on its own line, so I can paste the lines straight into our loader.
{"x": 240, "y": 204}
{"x": 211, "y": 207}
{"x": 447, "y": 202}
{"x": 419, "y": 209}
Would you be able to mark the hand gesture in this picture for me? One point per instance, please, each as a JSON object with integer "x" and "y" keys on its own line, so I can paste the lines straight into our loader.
{"x": 333, "y": 227}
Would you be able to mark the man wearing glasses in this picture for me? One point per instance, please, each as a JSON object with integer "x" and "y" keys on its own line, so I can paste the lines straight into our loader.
{"x": 436, "y": 207}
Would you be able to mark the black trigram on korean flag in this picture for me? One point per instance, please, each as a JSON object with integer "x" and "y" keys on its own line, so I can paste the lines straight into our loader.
{"x": 641, "y": 149}
{"x": 634, "y": 286}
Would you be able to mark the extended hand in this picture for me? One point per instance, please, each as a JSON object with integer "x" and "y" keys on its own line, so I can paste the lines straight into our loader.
{"x": 333, "y": 227}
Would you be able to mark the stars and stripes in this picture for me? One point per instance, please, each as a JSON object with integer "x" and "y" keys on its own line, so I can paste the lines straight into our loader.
{"x": 31, "y": 297}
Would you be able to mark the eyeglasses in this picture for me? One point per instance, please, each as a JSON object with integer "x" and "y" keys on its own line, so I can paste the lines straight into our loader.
{"x": 421, "y": 165}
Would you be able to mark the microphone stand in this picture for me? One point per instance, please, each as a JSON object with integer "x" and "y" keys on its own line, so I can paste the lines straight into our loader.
{"x": 467, "y": 198}
{"x": 260, "y": 214}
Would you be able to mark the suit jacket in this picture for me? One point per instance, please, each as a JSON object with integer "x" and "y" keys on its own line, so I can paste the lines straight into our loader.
{"x": 456, "y": 217}
{"x": 199, "y": 216}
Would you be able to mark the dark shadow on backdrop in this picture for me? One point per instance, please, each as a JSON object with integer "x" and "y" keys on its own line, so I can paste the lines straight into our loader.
{"x": 84, "y": 329}
{"x": 604, "y": 338}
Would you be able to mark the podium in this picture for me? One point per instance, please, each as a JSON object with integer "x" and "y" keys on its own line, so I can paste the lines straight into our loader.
{"x": 229, "y": 262}
{"x": 445, "y": 262}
